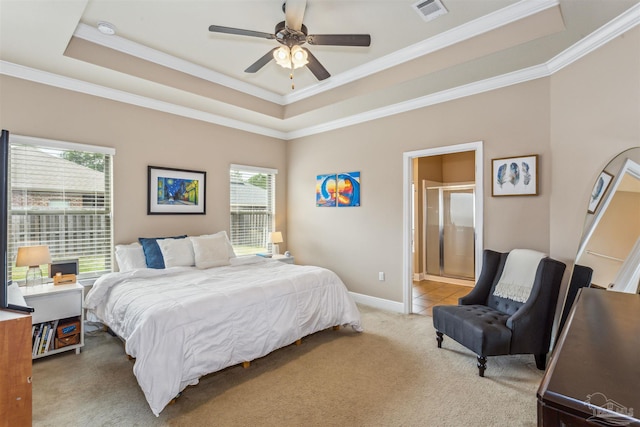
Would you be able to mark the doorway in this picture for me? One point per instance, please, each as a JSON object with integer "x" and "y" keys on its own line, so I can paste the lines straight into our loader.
{"x": 448, "y": 244}
{"x": 442, "y": 216}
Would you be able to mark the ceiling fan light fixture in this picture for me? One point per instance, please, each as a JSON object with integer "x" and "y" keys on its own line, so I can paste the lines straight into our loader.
{"x": 282, "y": 55}
{"x": 299, "y": 57}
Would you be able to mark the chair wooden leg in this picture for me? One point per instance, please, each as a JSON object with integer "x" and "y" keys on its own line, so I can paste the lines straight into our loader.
{"x": 439, "y": 339}
{"x": 482, "y": 365}
{"x": 541, "y": 361}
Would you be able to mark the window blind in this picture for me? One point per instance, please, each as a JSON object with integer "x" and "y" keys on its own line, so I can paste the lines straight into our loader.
{"x": 60, "y": 195}
{"x": 252, "y": 207}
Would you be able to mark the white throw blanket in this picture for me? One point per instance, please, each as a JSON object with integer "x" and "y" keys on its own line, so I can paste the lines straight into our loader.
{"x": 182, "y": 323}
{"x": 518, "y": 274}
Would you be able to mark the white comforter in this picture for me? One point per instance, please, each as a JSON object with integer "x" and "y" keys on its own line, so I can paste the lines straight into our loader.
{"x": 182, "y": 323}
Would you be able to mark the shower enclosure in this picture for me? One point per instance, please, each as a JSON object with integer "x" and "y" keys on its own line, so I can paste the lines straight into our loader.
{"x": 449, "y": 231}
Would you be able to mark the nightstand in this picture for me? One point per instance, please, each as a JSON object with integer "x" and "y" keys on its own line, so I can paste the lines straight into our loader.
{"x": 285, "y": 259}
{"x": 52, "y": 304}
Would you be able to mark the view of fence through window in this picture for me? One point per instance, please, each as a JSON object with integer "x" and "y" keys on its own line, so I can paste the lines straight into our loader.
{"x": 252, "y": 208}
{"x": 62, "y": 199}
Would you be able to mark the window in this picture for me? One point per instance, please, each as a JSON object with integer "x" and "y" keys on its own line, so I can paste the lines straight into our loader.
{"x": 252, "y": 208}
{"x": 60, "y": 196}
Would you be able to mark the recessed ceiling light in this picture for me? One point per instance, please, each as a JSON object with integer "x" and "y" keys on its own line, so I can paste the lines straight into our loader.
{"x": 106, "y": 28}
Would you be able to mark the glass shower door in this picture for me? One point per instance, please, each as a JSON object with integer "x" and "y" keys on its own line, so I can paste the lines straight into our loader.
{"x": 450, "y": 232}
{"x": 458, "y": 234}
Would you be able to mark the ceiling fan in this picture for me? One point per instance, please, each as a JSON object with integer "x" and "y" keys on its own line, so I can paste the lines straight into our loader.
{"x": 292, "y": 34}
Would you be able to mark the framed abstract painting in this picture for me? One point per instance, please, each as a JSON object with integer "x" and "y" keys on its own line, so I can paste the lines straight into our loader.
{"x": 514, "y": 176}
{"x": 348, "y": 189}
{"x": 175, "y": 191}
{"x": 326, "y": 189}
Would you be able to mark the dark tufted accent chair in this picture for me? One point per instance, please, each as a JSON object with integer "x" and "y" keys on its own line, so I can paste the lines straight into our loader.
{"x": 491, "y": 326}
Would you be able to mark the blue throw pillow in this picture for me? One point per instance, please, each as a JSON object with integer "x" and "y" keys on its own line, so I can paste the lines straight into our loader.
{"x": 152, "y": 252}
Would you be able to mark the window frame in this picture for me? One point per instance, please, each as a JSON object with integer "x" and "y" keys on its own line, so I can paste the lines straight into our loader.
{"x": 101, "y": 212}
{"x": 270, "y": 211}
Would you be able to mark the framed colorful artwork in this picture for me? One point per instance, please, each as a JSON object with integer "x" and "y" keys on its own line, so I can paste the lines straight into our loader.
{"x": 175, "y": 191}
{"x": 348, "y": 189}
{"x": 514, "y": 176}
{"x": 326, "y": 188}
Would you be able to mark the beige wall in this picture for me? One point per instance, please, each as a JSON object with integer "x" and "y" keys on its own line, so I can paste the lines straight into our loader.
{"x": 595, "y": 114}
{"x": 358, "y": 243}
{"x": 144, "y": 137}
{"x": 576, "y": 121}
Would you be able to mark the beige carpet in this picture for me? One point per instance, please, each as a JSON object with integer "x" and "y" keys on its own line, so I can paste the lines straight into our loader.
{"x": 393, "y": 374}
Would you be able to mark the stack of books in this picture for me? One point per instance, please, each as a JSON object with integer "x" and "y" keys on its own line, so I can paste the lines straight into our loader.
{"x": 42, "y": 335}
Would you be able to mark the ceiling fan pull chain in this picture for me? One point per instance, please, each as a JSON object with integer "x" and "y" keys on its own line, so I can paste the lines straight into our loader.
{"x": 292, "y": 83}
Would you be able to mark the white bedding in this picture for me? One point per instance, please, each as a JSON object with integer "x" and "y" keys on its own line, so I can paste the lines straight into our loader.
{"x": 182, "y": 323}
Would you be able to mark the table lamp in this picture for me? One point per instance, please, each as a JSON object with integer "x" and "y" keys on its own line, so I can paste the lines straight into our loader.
{"x": 276, "y": 237}
{"x": 33, "y": 257}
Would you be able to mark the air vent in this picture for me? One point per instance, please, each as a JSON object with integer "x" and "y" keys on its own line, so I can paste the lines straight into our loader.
{"x": 430, "y": 9}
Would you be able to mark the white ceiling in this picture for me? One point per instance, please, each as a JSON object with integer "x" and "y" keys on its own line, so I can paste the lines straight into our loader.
{"x": 164, "y": 57}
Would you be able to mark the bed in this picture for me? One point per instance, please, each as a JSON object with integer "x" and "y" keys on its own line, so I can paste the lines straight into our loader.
{"x": 180, "y": 323}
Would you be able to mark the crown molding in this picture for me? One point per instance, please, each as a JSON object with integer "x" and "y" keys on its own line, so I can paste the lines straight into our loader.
{"x": 593, "y": 41}
{"x": 75, "y": 85}
{"x": 484, "y": 24}
{"x": 146, "y": 53}
{"x": 475, "y": 88}
{"x": 603, "y": 35}
{"x": 614, "y": 28}
{"x": 497, "y": 19}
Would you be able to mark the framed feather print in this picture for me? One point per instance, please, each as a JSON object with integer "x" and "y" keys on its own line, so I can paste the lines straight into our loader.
{"x": 599, "y": 188}
{"x": 514, "y": 176}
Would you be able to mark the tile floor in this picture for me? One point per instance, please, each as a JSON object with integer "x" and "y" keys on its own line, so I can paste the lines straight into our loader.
{"x": 428, "y": 293}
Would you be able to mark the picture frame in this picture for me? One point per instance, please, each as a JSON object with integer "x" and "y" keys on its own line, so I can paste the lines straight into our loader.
{"x": 175, "y": 191}
{"x": 599, "y": 189}
{"x": 338, "y": 189}
{"x": 514, "y": 176}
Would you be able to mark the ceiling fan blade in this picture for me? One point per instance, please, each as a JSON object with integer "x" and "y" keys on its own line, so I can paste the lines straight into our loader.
{"x": 294, "y": 13}
{"x": 260, "y": 62}
{"x": 240, "y": 32}
{"x": 339, "y": 39}
{"x": 316, "y": 67}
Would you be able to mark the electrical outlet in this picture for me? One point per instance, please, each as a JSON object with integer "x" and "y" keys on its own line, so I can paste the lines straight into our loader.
{"x": 381, "y": 276}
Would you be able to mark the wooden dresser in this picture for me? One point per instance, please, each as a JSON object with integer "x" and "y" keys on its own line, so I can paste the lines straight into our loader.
{"x": 15, "y": 369}
{"x": 594, "y": 372}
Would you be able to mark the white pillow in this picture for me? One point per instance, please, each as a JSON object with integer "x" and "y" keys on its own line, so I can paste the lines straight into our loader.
{"x": 129, "y": 257}
{"x": 232, "y": 254}
{"x": 211, "y": 251}
{"x": 176, "y": 252}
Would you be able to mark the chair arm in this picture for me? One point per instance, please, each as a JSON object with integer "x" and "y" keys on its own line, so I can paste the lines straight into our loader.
{"x": 491, "y": 261}
{"x": 531, "y": 324}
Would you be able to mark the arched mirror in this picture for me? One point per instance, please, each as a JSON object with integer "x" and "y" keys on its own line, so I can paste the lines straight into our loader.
{"x": 610, "y": 242}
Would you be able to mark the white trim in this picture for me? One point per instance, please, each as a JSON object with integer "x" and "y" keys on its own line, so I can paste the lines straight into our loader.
{"x": 623, "y": 23}
{"x": 75, "y": 85}
{"x": 257, "y": 169}
{"x": 475, "y": 88}
{"x": 603, "y": 35}
{"x": 481, "y": 25}
{"x": 407, "y": 167}
{"x": 91, "y": 34}
{"x": 63, "y": 145}
{"x": 383, "y": 304}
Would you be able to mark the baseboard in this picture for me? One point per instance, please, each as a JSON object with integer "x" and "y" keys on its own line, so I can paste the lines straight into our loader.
{"x": 383, "y": 304}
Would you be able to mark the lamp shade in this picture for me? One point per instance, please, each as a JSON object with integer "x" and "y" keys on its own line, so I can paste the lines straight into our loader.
{"x": 33, "y": 256}
{"x": 276, "y": 237}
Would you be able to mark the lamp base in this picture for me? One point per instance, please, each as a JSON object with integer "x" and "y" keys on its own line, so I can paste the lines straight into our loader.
{"x": 275, "y": 249}
{"x": 34, "y": 276}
